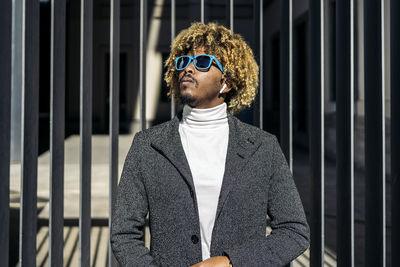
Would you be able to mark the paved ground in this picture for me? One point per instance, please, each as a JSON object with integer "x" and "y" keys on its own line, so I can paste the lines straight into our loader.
{"x": 98, "y": 247}
{"x": 100, "y": 175}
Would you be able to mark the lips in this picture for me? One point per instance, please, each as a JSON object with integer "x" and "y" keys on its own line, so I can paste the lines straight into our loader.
{"x": 187, "y": 80}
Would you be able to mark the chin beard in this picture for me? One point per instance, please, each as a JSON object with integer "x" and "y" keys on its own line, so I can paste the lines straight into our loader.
{"x": 187, "y": 100}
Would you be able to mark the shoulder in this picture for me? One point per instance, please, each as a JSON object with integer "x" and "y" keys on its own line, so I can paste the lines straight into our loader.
{"x": 269, "y": 149}
{"x": 253, "y": 132}
{"x": 158, "y": 131}
{"x": 141, "y": 144}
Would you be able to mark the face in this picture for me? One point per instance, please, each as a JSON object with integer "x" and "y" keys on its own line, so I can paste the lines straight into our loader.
{"x": 200, "y": 88}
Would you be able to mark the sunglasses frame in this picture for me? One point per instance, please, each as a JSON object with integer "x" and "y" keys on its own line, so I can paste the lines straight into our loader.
{"x": 193, "y": 58}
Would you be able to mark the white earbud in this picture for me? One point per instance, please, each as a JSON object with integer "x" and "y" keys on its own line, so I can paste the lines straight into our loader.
{"x": 222, "y": 89}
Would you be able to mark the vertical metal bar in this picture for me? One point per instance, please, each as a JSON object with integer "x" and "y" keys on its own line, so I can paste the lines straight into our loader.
{"x": 383, "y": 133}
{"x": 375, "y": 238}
{"x": 173, "y": 17}
{"x": 316, "y": 73}
{"x": 231, "y": 14}
{"x": 30, "y": 117}
{"x": 286, "y": 80}
{"x": 261, "y": 81}
{"x": 395, "y": 128}
{"x": 256, "y": 50}
{"x": 5, "y": 113}
{"x": 345, "y": 132}
{"x": 142, "y": 63}
{"x": 202, "y": 10}
{"x": 114, "y": 112}
{"x": 86, "y": 75}
{"x": 16, "y": 82}
{"x": 57, "y": 125}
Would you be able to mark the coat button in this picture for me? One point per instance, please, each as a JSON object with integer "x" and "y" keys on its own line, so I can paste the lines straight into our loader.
{"x": 195, "y": 239}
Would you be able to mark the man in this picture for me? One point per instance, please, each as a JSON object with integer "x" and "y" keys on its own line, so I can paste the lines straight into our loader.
{"x": 206, "y": 180}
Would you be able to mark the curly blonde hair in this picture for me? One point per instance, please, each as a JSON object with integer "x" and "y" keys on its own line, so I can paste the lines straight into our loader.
{"x": 235, "y": 55}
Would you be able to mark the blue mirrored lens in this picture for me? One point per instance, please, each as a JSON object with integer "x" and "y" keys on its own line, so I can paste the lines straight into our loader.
{"x": 203, "y": 62}
{"x": 182, "y": 62}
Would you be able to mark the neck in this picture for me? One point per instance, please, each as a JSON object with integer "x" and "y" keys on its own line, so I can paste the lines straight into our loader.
{"x": 205, "y": 117}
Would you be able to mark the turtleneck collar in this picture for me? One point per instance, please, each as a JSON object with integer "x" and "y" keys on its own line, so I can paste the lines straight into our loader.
{"x": 208, "y": 117}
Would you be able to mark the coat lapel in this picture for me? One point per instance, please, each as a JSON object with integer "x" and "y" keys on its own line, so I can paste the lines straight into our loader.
{"x": 241, "y": 146}
{"x": 170, "y": 146}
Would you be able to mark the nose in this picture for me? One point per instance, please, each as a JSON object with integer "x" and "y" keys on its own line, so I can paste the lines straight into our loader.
{"x": 190, "y": 68}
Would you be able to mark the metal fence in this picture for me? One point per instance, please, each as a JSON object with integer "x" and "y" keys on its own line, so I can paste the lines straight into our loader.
{"x": 374, "y": 121}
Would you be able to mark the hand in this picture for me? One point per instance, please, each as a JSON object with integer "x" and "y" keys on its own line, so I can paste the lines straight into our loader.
{"x": 218, "y": 261}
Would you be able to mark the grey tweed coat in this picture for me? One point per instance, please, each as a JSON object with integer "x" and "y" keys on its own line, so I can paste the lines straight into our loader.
{"x": 156, "y": 181}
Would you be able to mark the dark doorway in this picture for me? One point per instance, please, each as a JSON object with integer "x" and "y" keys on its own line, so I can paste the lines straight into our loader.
{"x": 272, "y": 112}
{"x": 300, "y": 82}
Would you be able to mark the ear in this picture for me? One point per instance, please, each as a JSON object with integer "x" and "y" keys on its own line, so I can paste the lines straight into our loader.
{"x": 228, "y": 85}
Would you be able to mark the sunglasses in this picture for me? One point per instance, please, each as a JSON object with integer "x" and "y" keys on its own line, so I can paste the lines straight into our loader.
{"x": 201, "y": 62}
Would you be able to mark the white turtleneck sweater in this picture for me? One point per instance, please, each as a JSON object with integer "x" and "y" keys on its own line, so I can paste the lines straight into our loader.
{"x": 204, "y": 135}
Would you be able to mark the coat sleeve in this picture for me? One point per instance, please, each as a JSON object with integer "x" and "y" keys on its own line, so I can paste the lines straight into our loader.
{"x": 290, "y": 231}
{"x": 129, "y": 218}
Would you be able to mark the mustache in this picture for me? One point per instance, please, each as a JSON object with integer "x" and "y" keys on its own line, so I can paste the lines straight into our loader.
{"x": 188, "y": 77}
